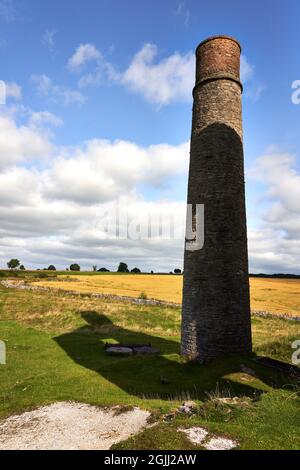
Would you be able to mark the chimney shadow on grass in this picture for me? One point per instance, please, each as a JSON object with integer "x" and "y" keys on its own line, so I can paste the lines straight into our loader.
{"x": 142, "y": 375}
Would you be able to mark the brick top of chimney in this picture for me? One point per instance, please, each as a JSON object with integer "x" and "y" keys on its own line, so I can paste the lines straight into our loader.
{"x": 218, "y": 57}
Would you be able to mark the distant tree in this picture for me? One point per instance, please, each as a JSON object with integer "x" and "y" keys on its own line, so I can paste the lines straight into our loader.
{"x": 103, "y": 270}
{"x": 136, "y": 271}
{"x": 177, "y": 271}
{"x": 51, "y": 268}
{"x": 75, "y": 267}
{"x": 13, "y": 264}
{"x": 123, "y": 268}
{"x": 95, "y": 269}
{"x": 22, "y": 268}
{"x": 152, "y": 272}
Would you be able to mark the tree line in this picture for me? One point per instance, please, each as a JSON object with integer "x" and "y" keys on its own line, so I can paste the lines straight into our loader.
{"x": 14, "y": 264}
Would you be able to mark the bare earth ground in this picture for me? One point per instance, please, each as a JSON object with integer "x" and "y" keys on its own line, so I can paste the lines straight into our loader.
{"x": 70, "y": 426}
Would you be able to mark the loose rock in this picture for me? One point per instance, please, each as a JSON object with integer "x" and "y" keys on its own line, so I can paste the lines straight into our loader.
{"x": 119, "y": 351}
{"x": 195, "y": 435}
{"x": 220, "y": 443}
{"x": 188, "y": 407}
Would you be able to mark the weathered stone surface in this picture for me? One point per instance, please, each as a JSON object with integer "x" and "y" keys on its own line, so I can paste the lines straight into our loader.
{"x": 143, "y": 350}
{"x": 188, "y": 407}
{"x": 200, "y": 436}
{"x": 220, "y": 443}
{"x": 248, "y": 370}
{"x": 195, "y": 435}
{"x": 119, "y": 351}
{"x": 216, "y": 304}
{"x": 128, "y": 349}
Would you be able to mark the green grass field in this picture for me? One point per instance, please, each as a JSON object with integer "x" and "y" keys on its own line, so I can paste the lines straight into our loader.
{"x": 55, "y": 353}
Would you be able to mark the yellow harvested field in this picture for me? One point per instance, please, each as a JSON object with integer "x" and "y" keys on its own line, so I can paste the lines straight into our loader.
{"x": 159, "y": 287}
{"x": 271, "y": 295}
{"x": 276, "y": 295}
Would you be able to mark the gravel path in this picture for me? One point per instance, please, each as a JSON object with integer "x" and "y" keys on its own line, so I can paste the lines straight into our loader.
{"x": 70, "y": 426}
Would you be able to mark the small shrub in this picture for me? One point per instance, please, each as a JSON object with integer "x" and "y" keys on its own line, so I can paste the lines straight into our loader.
{"x": 223, "y": 405}
{"x": 42, "y": 276}
{"x": 143, "y": 296}
{"x": 136, "y": 271}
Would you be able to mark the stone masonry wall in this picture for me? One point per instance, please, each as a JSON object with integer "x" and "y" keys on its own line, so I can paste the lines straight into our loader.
{"x": 216, "y": 305}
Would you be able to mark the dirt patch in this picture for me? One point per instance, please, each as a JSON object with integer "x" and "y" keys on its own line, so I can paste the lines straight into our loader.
{"x": 70, "y": 426}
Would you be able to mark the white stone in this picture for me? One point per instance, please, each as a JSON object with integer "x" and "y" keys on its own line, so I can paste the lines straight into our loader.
{"x": 70, "y": 426}
{"x": 119, "y": 351}
{"x": 195, "y": 435}
{"x": 220, "y": 443}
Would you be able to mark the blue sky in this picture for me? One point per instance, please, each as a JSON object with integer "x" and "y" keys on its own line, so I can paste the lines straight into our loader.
{"x": 94, "y": 84}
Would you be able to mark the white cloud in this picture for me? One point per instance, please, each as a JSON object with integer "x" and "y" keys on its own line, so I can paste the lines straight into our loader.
{"x": 247, "y": 70}
{"x": 183, "y": 12}
{"x": 44, "y": 84}
{"x": 63, "y": 233}
{"x": 48, "y": 39}
{"x": 13, "y": 90}
{"x": 19, "y": 144}
{"x": 90, "y": 79}
{"x": 255, "y": 92}
{"x": 51, "y": 213}
{"x": 270, "y": 252}
{"x": 42, "y": 118}
{"x": 168, "y": 80}
{"x": 275, "y": 246}
{"x": 18, "y": 186}
{"x": 69, "y": 96}
{"x": 277, "y": 170}
{"x": 103, "y": 171}
{"x": 103, "y": 70}
{"x": 83, "y": 54}
{"x": 45, "y": 87}
{"x": 171, "y": 79}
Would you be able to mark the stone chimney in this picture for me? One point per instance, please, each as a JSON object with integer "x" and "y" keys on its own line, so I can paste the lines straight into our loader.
{"x": 216, "y": 316}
